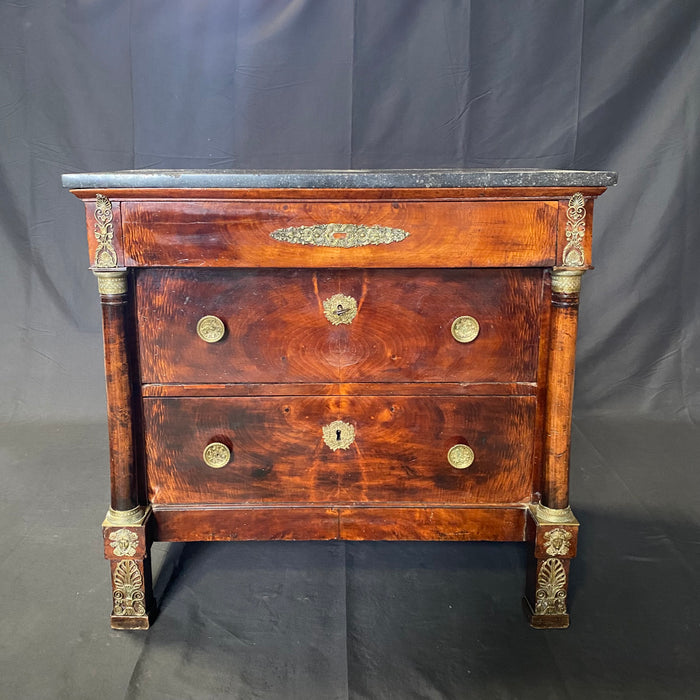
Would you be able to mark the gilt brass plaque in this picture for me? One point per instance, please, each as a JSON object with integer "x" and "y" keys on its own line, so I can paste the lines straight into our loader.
{"x": 339, "y": 235}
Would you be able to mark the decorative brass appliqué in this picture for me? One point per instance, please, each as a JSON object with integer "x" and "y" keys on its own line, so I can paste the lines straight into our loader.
{"x": 124, "y": 542}
{"x": 460, "y": 456}
{"x": 557, "y": 541}
{"x": 210, "y": 329}
{"x": 465, "y": 329}
{"x": 217, "y": 455}
{"x": 340, "y": 309}
{"x": 105, "y": 255}
{"x": 338, "y": 435}
{"x": 550, "y": 597}
{"x": 575, "y": 230}
{"x": 128, "y": 595}
{"x": 339, "y": 235}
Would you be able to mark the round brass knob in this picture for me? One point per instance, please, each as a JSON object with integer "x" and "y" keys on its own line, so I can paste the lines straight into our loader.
{"x": 217, "y": 455}
{"x": 210, "y": 329}
{"x": 465, "y": 329}
{"x": 460, "y": 456}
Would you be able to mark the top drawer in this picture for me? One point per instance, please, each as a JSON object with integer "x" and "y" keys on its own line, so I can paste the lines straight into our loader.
{"x": 297, "y": 326}
{"x": 402, "y": 233}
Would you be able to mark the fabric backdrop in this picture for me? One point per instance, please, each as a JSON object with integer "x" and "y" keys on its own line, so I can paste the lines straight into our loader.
{"x": 102, "y": 85}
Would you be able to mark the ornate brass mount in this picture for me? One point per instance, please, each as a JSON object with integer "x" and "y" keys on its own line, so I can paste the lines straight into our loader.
{"x": 105, "y": 254}
{"x": 338, "y": 435}
{"x": 216, "y": 455}
{"x": 460, "y": 456}
{"x": 465, "y": 329}
{"x": 340, "y": 309}
{"x": 210, "y": 329}
{"x": 339, "y": 235}
{"x": 575, "y": 229}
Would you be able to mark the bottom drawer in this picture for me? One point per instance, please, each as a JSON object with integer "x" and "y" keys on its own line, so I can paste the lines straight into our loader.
{"x": 339, "y": 449}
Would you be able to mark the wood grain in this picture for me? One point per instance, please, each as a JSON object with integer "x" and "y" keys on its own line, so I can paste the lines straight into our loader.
{"x": 399, "y": 453}
{"x": 187, "y": 524}
{"x": 560, "y": 392}
{"x": 199, "y": 233}
{"x": 277, "y": 331}
{"x": 120, "y": 403}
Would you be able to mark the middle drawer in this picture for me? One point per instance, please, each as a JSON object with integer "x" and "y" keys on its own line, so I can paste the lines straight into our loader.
{"x": 295, "y": 326}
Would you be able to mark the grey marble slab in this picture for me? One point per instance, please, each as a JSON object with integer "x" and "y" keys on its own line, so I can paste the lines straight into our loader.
{"x": 339, "y": 178}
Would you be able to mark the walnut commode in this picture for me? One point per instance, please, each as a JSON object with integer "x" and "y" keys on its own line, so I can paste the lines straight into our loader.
{"x": 352, "y": 355}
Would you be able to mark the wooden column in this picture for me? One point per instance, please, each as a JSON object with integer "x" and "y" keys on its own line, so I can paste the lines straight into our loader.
{"x": 566, "y": 285}
{"x": 113, "y": 287}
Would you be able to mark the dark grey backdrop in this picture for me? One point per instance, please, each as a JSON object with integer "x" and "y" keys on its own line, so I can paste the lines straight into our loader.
{"x": 600, "y": 84}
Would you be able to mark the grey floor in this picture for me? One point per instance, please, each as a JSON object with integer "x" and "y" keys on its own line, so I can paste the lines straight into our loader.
{"x": 362, "y": 620}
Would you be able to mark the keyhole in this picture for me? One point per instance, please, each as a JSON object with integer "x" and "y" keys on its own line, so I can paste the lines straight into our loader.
{"x": 337, "y": 434}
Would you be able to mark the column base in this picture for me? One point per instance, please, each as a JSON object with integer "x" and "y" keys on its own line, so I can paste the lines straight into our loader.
{"x": 559, "y": 621}
{"x": 128, "y": 622}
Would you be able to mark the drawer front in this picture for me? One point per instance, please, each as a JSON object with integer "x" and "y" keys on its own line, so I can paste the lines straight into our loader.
{"x": 308, "y": 233}
{"x": 286, "y": 325}
{"x": 339, "y": 449}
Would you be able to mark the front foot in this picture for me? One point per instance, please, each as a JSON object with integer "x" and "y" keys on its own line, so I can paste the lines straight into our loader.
{"x": 127, "y": 549}
{"x": 554, "y": 534}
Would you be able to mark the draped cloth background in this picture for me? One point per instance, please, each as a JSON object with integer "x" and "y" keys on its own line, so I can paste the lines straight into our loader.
{"x": 589, "y": 84}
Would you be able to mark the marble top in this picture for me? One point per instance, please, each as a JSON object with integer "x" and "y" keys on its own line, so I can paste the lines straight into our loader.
{"x": 339, "y": 178}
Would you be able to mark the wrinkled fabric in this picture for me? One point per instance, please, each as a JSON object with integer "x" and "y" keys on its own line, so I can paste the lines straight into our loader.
{"x": 98, "y": 85}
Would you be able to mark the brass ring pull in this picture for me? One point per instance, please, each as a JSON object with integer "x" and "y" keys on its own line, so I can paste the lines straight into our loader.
{"x": 465, "y": 329}
{"x": 216, "y": 455}
{"x": 460, "y": 456}
{"x": 210, "y": 329}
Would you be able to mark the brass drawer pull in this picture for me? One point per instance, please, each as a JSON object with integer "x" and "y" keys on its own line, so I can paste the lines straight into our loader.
{"x": 210, "y": 329}
{"x": 460, "y": 456}
{"x": 217, "y": 455}
{"x": 465, "y": 329}
{"x": 340, "y": 309}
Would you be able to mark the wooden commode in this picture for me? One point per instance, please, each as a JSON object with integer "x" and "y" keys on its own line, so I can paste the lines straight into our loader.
{"x": 355, "y": 355}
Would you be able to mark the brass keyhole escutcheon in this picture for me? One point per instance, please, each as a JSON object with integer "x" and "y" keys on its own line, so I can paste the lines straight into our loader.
{"x": 340, "y": 308}
{"x": 465, "y": 329}
{"x": 210, "y": 329}
{"x": 460, "y": 456}
{"x": 338, "y": 435}
{"x": 216, "y": 455}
